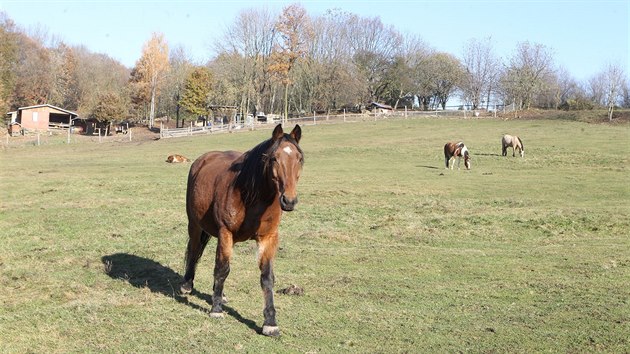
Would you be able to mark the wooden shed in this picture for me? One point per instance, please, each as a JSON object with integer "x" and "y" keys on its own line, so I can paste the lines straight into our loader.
{"x": 380, "y": 108}
{"x": 42, "y": 117}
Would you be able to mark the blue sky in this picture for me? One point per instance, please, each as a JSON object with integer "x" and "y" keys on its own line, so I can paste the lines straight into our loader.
{"x": 583, "y": 36}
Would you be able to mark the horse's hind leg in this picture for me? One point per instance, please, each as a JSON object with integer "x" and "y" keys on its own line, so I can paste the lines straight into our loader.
{"x": 197, "y": 241}
{"x": 221, "y": 271}
{"x": 504, "y": 150}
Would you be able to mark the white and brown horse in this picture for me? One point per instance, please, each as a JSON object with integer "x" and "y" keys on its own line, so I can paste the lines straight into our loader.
{"x": 514, "y": 142}
{"x": 456, "y": 150}
{"x": 177, "y": 159}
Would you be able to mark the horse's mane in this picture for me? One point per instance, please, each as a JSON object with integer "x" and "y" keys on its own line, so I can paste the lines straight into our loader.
{"x": 521, "y": 141}
{"x": 253, "y": 174}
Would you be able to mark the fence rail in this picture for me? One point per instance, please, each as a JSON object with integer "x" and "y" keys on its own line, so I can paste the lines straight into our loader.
{"x": 308, "y": 120}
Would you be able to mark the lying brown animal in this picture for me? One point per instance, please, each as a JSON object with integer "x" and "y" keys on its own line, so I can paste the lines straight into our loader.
{"x": 177, "y": 158}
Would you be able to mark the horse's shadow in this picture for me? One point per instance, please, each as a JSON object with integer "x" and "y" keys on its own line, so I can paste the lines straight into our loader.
{"x": 142, "y": 272}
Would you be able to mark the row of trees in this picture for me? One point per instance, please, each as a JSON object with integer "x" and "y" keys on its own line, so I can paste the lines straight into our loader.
{"x": 291, "y": 63}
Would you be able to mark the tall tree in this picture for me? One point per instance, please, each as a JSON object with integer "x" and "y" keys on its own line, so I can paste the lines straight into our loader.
{"x": 527, "y": 72}
{"x": 181, "y": 65}
{"x": 151, "y": 69}
{"x": 614, "y": 81}
{"x": 249, "y": 41}
{"x": 374, "y": 47}
{"x": 294, "y": 32}
{"x": 481, "y": 71}
{"x": 97, "y": 74}
{"x": 8, "y": 61}
{"x": 33, "y": 73}
{"x": 110, "y": 107}
{"x": 197, "y": 89}
{"x": 446, "y": 77}
{"x": 65, "y": 91}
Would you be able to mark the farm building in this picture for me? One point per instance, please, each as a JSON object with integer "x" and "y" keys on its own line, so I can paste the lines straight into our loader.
{"x": 380, "y": 108}
{"x": 40, "y": 117}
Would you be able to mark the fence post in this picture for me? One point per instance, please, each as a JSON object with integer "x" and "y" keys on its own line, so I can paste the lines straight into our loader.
{"x": 344, "y": 115}
{"x": 314, "y": 121}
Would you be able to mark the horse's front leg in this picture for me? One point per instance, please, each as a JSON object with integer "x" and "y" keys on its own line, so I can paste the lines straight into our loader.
{"x": 266, "y": 252}
{"x": 221, "y": 270}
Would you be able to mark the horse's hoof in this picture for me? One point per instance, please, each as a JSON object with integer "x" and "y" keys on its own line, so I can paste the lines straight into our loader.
{"x": 271, "y": 331}
{"x": 217, "y": 314}
{"x": 186, "y": 288}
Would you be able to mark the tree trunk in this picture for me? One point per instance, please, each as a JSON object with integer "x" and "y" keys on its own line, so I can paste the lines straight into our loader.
{"x": 286, "y": 103}
{"x": 610, "y": 113}
{"x": 152, "y": 110}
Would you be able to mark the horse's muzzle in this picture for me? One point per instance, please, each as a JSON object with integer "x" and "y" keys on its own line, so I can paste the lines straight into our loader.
{"x": 287, "y": 204}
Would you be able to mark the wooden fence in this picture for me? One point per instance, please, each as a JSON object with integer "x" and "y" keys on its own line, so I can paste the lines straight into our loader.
{"x": 307, "y": 120}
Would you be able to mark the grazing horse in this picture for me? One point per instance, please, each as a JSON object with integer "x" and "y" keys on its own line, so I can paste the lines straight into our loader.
{"x": 456, "y": 150}
{"x": 514, "y": 142}
{"x": 237, "y": 197}
{"x": 176, "y": 158}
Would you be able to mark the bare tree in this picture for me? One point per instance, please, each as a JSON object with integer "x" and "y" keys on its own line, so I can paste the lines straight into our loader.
{"x": 527, "y": 72}
{"x": 326, "y": 78}
{"x": 181, "y": 65}
{"x": 374, "y": 47}
{"x": 249, "y": 41}
{"x": 294, "y": 32}
{"x": 614, "y": 77}
{"x": 481, "y": 68}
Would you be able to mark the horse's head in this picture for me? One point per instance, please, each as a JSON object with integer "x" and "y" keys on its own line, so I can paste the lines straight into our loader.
{"x": 467, "y": 157}
{"x": 286, "y": 165}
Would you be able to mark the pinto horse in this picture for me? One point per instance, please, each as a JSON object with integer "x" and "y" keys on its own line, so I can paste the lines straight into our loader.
{"x": 237, "y": 197}
{"x": 514, "y": 142}
{"x": 456, "y": 150}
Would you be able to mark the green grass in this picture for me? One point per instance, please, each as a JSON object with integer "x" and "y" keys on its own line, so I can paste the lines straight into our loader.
{"x": 394, "y": 253}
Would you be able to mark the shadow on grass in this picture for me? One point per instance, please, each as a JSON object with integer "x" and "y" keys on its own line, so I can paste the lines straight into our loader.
{"x": 142, "y": 272}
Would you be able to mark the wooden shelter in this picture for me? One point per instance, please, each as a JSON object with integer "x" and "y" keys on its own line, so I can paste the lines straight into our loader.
{"x": 376, "y": 107}
{"x": 42, "y": 117}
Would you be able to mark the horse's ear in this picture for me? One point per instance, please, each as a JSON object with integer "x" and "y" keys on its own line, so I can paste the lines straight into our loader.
{"x": 277, "y": 132}
{"x": 296, "y": 133}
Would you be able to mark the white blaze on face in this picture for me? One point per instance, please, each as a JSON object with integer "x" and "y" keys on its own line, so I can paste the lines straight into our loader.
{"x": 287, "y": 150}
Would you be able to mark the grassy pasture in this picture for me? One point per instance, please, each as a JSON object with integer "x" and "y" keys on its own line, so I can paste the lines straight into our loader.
{"x": 394, "y": 253}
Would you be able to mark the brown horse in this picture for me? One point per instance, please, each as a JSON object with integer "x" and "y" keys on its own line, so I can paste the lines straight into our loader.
{"x": 514, "y": 142}
{"x": 456, "y": 150}
{"x": 238, "y": 197}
